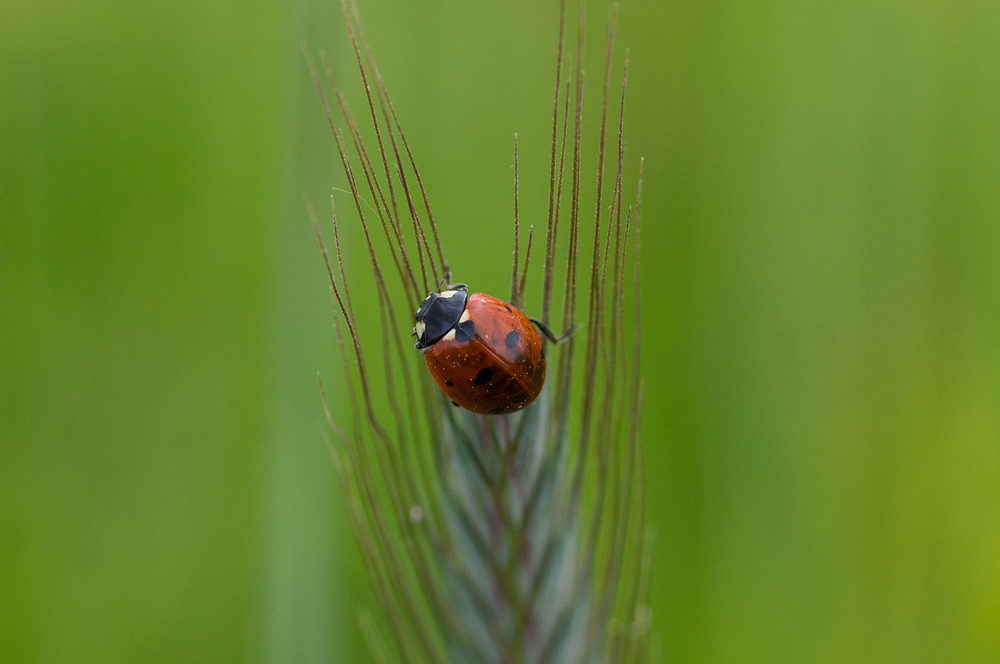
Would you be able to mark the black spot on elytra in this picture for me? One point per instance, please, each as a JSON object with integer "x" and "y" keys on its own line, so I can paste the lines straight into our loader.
{"x": 512, "y": 338}
{"x": 483, "y": 376}
{"x": 455, "y": 404}
{"x": 448, "y": 383}
{"x": 465, "y": 331}
{"x": 509, "y": 310}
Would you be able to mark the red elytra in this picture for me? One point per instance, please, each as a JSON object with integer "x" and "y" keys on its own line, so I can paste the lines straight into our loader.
{"x": 490, "y": 357}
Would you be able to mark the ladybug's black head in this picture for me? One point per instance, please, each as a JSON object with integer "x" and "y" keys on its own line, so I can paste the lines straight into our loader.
{"x": 438, "y": 314}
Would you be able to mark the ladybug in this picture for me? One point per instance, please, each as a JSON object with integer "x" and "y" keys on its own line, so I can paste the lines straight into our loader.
{"x": 484, "y": 353}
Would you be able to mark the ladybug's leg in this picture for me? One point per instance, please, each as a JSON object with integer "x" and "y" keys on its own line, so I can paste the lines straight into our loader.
{"x": 445, "y": 284}
{"x": 549, "y": 334}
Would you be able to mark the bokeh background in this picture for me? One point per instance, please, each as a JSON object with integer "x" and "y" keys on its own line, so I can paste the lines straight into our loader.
{"x": 821, "y": 252}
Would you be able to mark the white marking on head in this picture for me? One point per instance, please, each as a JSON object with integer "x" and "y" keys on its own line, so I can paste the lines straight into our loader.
{"x": 419, "y": 329}
{"x": 449, "y": 335}
{"x": 448, "y": 293}
{"x": 464, "y": 317}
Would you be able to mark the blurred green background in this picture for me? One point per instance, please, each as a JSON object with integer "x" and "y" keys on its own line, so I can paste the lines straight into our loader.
{"x": 821, "y": 250}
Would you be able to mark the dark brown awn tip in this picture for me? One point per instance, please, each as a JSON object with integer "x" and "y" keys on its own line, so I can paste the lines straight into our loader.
{"x": 516, "y": 294}
{"x": 482, "y": 574}
{"x": 517, "y": 283}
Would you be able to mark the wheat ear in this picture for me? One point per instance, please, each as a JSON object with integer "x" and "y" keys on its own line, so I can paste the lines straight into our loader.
{"x": 505, "y": 539}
